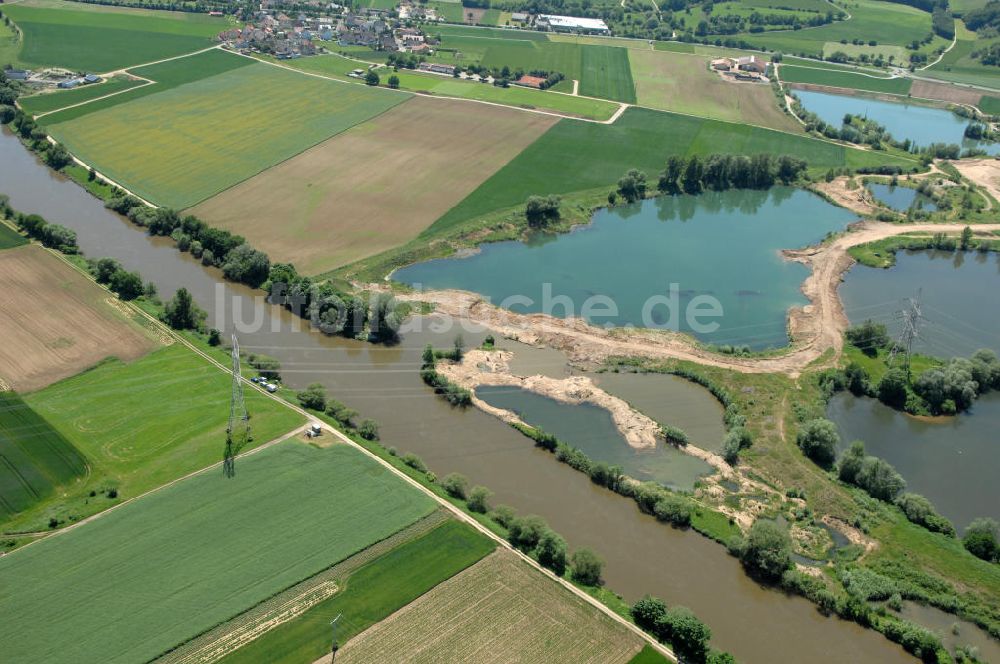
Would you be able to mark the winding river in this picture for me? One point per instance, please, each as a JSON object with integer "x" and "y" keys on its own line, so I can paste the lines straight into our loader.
{"x": 756, "y": 624}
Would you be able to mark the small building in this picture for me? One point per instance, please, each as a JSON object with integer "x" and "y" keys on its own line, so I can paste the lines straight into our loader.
{"x": 519, "y": 17}
{"x": 722, "y": 64}
{"x": 751, "y": 63}
{"x": 437, "y": 68}
{"x": 589, "y": 26}
{"x": 530, "y": 82}
{"x": 91, "y": 78}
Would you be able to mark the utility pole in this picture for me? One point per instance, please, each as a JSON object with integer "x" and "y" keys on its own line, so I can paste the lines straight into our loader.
{"x": 334, "y": 646}
{"x": 911, "y": 318}
{"x": 238, "y": 430}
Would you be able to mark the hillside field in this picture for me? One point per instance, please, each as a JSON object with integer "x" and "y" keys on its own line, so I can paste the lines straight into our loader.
{"x": 39, "y": 294}
{"x": 684, "y": 84}
{"x": 196, "y": 553}
{"x": 101, "y": 39}
{"x": 204, "y": 137}
{"x": 34, "y": 457}
{"x": 370, "y": 594}
{"x": 576, "y": 156}
{"x": 136, "y": 434}
{"x": 375, "y": 186}
{"x": 520, "y": 615}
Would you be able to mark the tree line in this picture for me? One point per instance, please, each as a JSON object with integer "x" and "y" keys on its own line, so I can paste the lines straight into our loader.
{"x": 36, "y": 227}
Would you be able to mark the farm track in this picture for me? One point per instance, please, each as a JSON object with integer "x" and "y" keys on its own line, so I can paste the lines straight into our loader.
{"x": 456, "y": 512}
{"x": 816, "y": 329}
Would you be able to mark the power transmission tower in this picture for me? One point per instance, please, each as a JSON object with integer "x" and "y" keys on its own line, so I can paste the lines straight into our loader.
{"x": 911, "y": 318}
{"x": 238, "y": 431}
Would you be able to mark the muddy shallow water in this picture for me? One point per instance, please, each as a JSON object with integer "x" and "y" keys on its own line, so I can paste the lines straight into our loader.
{"x": 642, "y": 556}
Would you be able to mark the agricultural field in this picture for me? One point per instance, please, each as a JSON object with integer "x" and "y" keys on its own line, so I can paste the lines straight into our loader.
{"x": 991, "y": 105}
{"x": 886, "y": 23}
{"x": 370, "y": 594}
{"x": 9, "y": 238}
{"x": 205, "y": 136}
{"x": 34, "y": 457}
{"x": 958, "y": 65}
{"x": 102, "y": 39}
{"x": 375, "y": 186}
{"x": 814, "y": 75}
{"x": 602, "y": 70}
{"x": 642, "y": 139}
{"x": 48, "y": 102}
{"x": 520, "y": 615}
{"x": 159, "y": 571}
{"x": 446, "y": 86}
{"x": 161, "y": 439}
{"x": 684, "y": 84}
{"x": 166, "y": 75}
{"x": 40, "y": 293}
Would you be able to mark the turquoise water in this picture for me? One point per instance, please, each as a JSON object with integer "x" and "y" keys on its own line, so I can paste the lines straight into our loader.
{"x": 921, "y": 124}
{"x": 592, "y": 430}
{"x": 661, "y": 263}
{"x": 959, "y": 295}
{"x": 901, "y": 198}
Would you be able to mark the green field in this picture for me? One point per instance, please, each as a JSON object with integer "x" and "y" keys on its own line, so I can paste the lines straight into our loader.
{"x": 34, "y": 457}
{"x": 168, "y": 75}
{"x": 163, "y": 569}
{"x": 446, "y": 86}
{"x": 603, "y": 71}
{"x": 134, "y": 431}
{"x": 44, "y": 103}
{"x": 9, "y": 238}
{"x": 93, "y": 38}
{"x": 872, "y": 20}
{"x": 575, "y": 156}
{"x": 606, "y": 74}
{"x": 991, "y": 105}
{"x": 204, "y": 137}
{"x": 844, "y": 79}
{"x": 372, "y": 593}
{"x": 958, "y": 65}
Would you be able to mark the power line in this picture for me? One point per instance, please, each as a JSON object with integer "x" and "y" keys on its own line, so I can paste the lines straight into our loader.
{"x": 911, "y": 318}
{"x": 238, "y": 430}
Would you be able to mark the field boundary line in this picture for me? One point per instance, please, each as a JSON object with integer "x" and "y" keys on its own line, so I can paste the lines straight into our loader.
{"x": 107, "y": 96}
{"x": 311, "y": 419}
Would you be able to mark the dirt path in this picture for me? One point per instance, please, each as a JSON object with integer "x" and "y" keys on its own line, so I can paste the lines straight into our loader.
{"x": 816, "y": 328}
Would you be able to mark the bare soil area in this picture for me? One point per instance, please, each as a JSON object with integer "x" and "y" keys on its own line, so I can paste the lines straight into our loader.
{"x": 983, "y": 172}
{"x": 55, "y": 322}
{"x": 375, "y": 186}
{"x": 498, "y": 610}
{"x": 945, "y": 92}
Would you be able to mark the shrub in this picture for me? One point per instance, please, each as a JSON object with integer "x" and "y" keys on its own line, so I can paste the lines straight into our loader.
{"x": 503, "y": 514}
{"x": 587, "y": 567}
{"x": 920, "y": 511}
{"x": 415, "y": 462}
{"x": 368, "y": 429}
{"x": 767, "y": 550}
{"x": 981, "y": 539}
{"x": 551, "y": 552}
{"x": 313, "y": 397}
{"x": 818, "y": 440}
{"x": 525, "y": 532}
{"x": 674, "y": 435}
{"x": 673, "y": 509}
{"x": 647, "y": 611}
{"x": 868, "y": 337}
{"x": 478, "y": 499}
{"x": 688, "y": 635}
{"x": 455, "y": 484}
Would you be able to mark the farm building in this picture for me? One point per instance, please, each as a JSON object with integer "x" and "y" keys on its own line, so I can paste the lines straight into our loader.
{"x": 590, "y": 26}
{"x": 17, "y": 74}
{"x": 518, "y": 17}
{"x": 722, "y": 64}
{"x": 751, "y": 63}
{"x": 530, "y": 81}
{"x": 436, "y": 68}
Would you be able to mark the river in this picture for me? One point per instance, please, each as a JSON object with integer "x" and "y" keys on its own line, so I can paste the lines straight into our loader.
{"x": 642, "y": 556}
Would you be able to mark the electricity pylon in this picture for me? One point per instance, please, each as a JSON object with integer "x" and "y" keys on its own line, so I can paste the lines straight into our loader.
{"x": 911, "y": 318}
{"x": 238, "y": 431}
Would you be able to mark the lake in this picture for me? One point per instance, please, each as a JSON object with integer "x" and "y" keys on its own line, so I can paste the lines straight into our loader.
{"x": 923, "y": 125}
{"x": 592, "y": 430}
{"x": 707, "y": 265}
{"x": 901, "y": 198}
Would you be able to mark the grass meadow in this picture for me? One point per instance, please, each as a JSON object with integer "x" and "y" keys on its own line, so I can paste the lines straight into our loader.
{"x": 576, "y": 156}
{"x": 167, "y": 75}
{"x": 157, "y": 572}
{"x": 203, "y": 137}
{"x": 683, "y": 83}
{"x": 95, "y": 38}
{"x": 844, "y": 79}
{"x": 34, "y": 457}
{"x": 958, "y": 65}
{"x": 603, "y": 71}
{"x": 9, "y": 238}
{"x": 446, "y": 86}
{"x": 370, "y": 595}
{"x": 45, "y": 103}
{"x": 134, "y": 431}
